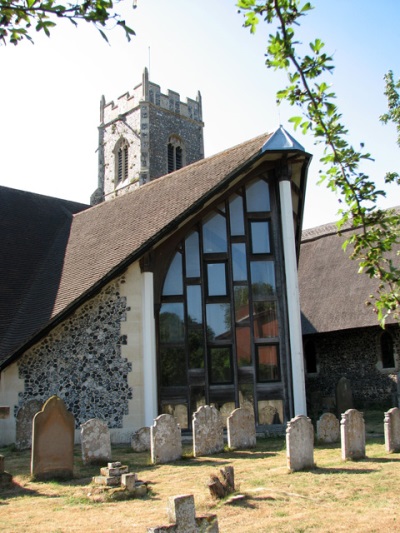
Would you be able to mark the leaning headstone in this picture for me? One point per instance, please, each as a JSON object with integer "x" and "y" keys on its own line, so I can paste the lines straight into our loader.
{"x": 344, "y": 396}
{"x": 181, "y": 511}
{"x": 328, "y": 428}
{"x": 24, "y": 419}
{"x": 140, "y": 441}
{"x": 241, "y": 429}
{"x": 53, "y": 441}
{"x": 165, "y": 440}
{"x": 300, "y": 443}
{"x": 208, "y": 433}
{"x": 392, "y": 430}
{"x": 95, "y": 441}
{"x": 352, "y": 430}
{"x": 5, "y": 477}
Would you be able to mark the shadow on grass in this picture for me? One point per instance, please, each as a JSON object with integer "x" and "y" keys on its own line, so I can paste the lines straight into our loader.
{"x": 14, "y": 490}
{"x": 340, "y": 470}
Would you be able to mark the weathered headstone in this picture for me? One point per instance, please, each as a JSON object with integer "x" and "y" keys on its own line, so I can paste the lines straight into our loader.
{"x": 24, "y": 419}
{"x": 392, "y": 430}
{"x": 208, "y": 433}
{"x": 53, "y": 441}
{"x": 352, "y": 430}
{"x": 4, "y": 412}
{"x": 300, "y": 443}
{"x": 241, "y": 429}
{"x": 328, "y": 428}
{"x": 165, "y": 440}
{"x": 344, "y": 396}
{"x": 5, "y": 477}
{"x": 95, "y": 441}
{"x": 140, "y": 441}
{"x": 181, "y": 511}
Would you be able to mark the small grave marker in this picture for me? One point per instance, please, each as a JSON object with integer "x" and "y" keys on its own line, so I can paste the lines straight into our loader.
{"x": 352, "y": 430}
{"x": 328, "y": 428}
{"x": 95, "y": 441}
{"x": 208, "y": 433}
{"x": 392, "y": 430}
{"x": 300, "y": 443}
{"x": 241, "y": 429}
{"x": 165, "y": 440}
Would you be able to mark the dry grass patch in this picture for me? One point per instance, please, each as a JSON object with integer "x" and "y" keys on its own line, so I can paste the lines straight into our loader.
{"x": 335, "y": 496}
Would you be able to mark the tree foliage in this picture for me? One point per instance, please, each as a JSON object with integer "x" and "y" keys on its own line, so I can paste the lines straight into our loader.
{"x": 19, "y": 17}
{"x": 377, "y": 232}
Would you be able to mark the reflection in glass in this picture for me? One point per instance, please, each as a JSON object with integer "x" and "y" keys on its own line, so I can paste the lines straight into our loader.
{"x": 243, "y": 348}
{"x": 262, "y": 279}
{"x": 270, "y": 412}
{"x": 239, "y": 266}
{"x": 257, "y": 196}
{"x": 171, "y": 322}
{"x": 267, "y": 361}
{"x": 218, "y": 321}
{"x": 173, "y": 284}
{"x": 192, "y": 255}
{"x": 241, "y": 295}
{"x": 194, "y": 304}
{"x": 216, "y": 277}
{"x": 265, "y": 319}
{"x": 195, "y": 327}
{"x": 214, "y": 234}
{"x": 260, "y": 237}
{"x": 236, "y": 215}
{"x": 173, "y": 366}
{"x": 220, "y": 365}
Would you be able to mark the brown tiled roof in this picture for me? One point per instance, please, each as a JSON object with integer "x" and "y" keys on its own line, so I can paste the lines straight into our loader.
{"x": 332, "y": 292}
{"x": 105, "y": 238}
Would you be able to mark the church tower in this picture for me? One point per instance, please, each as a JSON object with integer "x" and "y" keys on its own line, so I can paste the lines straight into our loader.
{"x": 144, "y": 135}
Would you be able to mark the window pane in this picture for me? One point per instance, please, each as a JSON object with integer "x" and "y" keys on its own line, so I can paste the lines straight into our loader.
{"x": 192, "y": 255}
{"x": 241, "y": 296}
{"x": 243, "y": 349}
{"x": 239, "y": 266}
{"x": 265, "y": 320}
{"x": 267, "y": 363}
{"x": 257, "y": 196}
{"x": 220, "y": 365}
{"x": 236, "y": 215}
{"x": 260, "y": 237}
{"x": 171, "y": 323}
{"x": 173, "y": 366}
{"x": 218, "y": 321}
{"x": 195, "y": 327}
{"x": 216, "y": 277}
{"x": 194, "y": 304}
{"x": 262, "y": 279}
{"x": 173, "y": 284}
{"x": 387, "y": 350}
{"x": 214, "y": 234}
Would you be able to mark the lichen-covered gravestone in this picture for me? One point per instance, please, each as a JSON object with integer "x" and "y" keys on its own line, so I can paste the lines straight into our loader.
{"x": 53, "y": 441}
{"x": 208, "y": 433}
{"x": 300, "y": 443}
{"x": 140, "y": 441}
{"x": 95, "y": 442}
{"x": 352, "y": 430}
{"x": 24, "y": 421}
{"x": 328, "y": 428}
{"x": 392, "y": 430}
{"x": 344, "y": 396}
{"x": 165, "y": 440}
{"x": 241, "y": 429}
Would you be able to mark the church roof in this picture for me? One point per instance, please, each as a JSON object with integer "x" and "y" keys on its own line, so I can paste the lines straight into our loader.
{"x": 332, "y": 292}
{"x": 74, "y": 252}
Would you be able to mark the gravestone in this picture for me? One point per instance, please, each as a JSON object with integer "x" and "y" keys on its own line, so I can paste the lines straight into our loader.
{"x": 226, "y": 410}
{"x": 392, "y": 430}
{"x": 95, "y": 442}
{"x": 241, "y": 429}
{"x": 165, "y": 440}
{"x": 24, "y": 419}
{"x": 268, "y": 415}
{"x": 352, "y": 430}
{"x": 300, "y": 443}
{"x": 53, "y": 441}
{"x": 4, "y": 412}
{"x": 208, "y": 433}
{"x": 140, "y": 441}
{"x": 181, "y": 511}
{"x": 344, "y": 396}
{"x": 328, "y": 428}
{"x": 5, "y": 477}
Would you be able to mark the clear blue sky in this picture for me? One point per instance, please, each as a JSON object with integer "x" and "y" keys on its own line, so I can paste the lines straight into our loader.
{"x": 50, "y": 91}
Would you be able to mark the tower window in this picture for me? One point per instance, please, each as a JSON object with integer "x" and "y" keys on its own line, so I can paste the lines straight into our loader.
{"x": 122, "y": 161}
{"x": 175, "y": 154}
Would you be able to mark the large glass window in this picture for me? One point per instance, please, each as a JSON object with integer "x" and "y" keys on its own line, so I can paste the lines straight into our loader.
{"x": 214, "y": 234}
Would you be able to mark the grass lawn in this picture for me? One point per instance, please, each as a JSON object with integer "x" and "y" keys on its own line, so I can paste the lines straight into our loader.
{"x": 335, "y": 496}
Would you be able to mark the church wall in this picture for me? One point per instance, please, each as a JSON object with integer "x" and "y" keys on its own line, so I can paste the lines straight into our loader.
{"x": 356, "y": 355}
{"x": 92, "y": 360}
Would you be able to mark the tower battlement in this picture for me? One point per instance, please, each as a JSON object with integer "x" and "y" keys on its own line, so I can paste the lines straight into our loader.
{"x": 149, "y": 92}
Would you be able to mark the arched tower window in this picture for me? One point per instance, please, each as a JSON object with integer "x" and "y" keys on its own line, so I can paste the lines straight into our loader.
{"x": 175, "y": 153}
{"x": 387, "y": 352}
{"x": 121, "y": 160}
